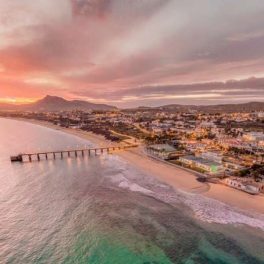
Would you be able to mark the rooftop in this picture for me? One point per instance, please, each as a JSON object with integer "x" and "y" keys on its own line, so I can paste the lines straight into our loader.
{"x": 202, "y": 161}
{"x": 162, "y": 147}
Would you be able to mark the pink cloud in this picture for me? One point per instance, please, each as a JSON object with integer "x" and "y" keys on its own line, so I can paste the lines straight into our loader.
{"x": 105, "y": 49}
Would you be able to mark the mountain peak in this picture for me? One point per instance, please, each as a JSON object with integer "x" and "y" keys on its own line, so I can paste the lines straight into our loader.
{"x": 52, "y": 98}
{"x": 56, "y": 103}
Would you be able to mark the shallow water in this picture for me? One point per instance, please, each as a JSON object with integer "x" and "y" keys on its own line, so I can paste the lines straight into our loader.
{"x": 103, "y": 210}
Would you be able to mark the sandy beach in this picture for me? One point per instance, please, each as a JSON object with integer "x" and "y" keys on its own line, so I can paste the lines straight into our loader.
{"x": 174, "y": 176}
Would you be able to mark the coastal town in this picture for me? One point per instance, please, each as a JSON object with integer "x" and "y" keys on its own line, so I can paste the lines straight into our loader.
{"x": 224, "y": 148}
{"x": 131, "y": 132}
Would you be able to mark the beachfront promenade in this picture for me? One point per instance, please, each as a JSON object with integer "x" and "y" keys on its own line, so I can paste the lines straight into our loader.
{"x": 38, "y": 156}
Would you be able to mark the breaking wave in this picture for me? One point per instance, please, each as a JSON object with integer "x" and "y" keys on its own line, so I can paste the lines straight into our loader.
{"x": 204, "y": 208}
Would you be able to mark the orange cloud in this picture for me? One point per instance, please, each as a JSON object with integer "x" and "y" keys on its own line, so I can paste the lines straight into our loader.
{"x": 105, "y": 50}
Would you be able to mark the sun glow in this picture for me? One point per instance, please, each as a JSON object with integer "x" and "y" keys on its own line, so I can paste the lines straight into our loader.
{"x": 17, "y": 100}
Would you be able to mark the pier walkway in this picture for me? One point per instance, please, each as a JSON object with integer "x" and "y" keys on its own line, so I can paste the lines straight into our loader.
{"x": 38, "y": 156}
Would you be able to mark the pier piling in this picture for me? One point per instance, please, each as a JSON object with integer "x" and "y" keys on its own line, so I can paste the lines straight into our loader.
{"x": 45, "y": 155}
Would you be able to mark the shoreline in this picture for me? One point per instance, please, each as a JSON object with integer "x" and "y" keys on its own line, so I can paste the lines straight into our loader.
{"x": 176, "y": 177}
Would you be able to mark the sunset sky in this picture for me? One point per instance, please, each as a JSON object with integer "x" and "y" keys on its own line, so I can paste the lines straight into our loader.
{"x": 132, "y": 52}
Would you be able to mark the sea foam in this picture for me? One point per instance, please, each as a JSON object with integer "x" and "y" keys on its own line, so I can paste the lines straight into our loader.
{"x": 204, "y": 208}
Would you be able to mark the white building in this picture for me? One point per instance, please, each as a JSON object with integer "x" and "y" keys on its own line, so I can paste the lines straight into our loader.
{"x": 206, "y": 165}
{"x": 163, "y": 151}
{"x": 212, "y": 156}
{"x": 205, "y": 124}
{"x": 260, "y": 115}
{"x": 239, "y": 184}
{"x": 254, "y": 136}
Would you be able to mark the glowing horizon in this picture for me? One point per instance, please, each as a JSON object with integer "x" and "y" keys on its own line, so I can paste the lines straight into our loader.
{"x": 18, "y": 100}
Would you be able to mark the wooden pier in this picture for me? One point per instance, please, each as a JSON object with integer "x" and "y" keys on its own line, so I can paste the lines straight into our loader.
{"x": 29, "y": 157}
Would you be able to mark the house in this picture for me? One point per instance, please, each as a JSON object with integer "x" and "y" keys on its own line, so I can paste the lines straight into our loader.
{"x": 243, "y": 185}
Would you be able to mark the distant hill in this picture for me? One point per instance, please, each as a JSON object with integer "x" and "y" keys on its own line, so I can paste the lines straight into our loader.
{"x": 55, "y": 104}
{"x": 4, "y": 106}
{"x": 223, "y": 108}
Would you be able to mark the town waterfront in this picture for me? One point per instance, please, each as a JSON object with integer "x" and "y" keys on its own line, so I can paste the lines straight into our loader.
{"x": 104, "y": 210}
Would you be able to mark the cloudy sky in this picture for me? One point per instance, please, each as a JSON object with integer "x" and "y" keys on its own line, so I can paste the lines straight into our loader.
{"x": 132, "y": 52}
